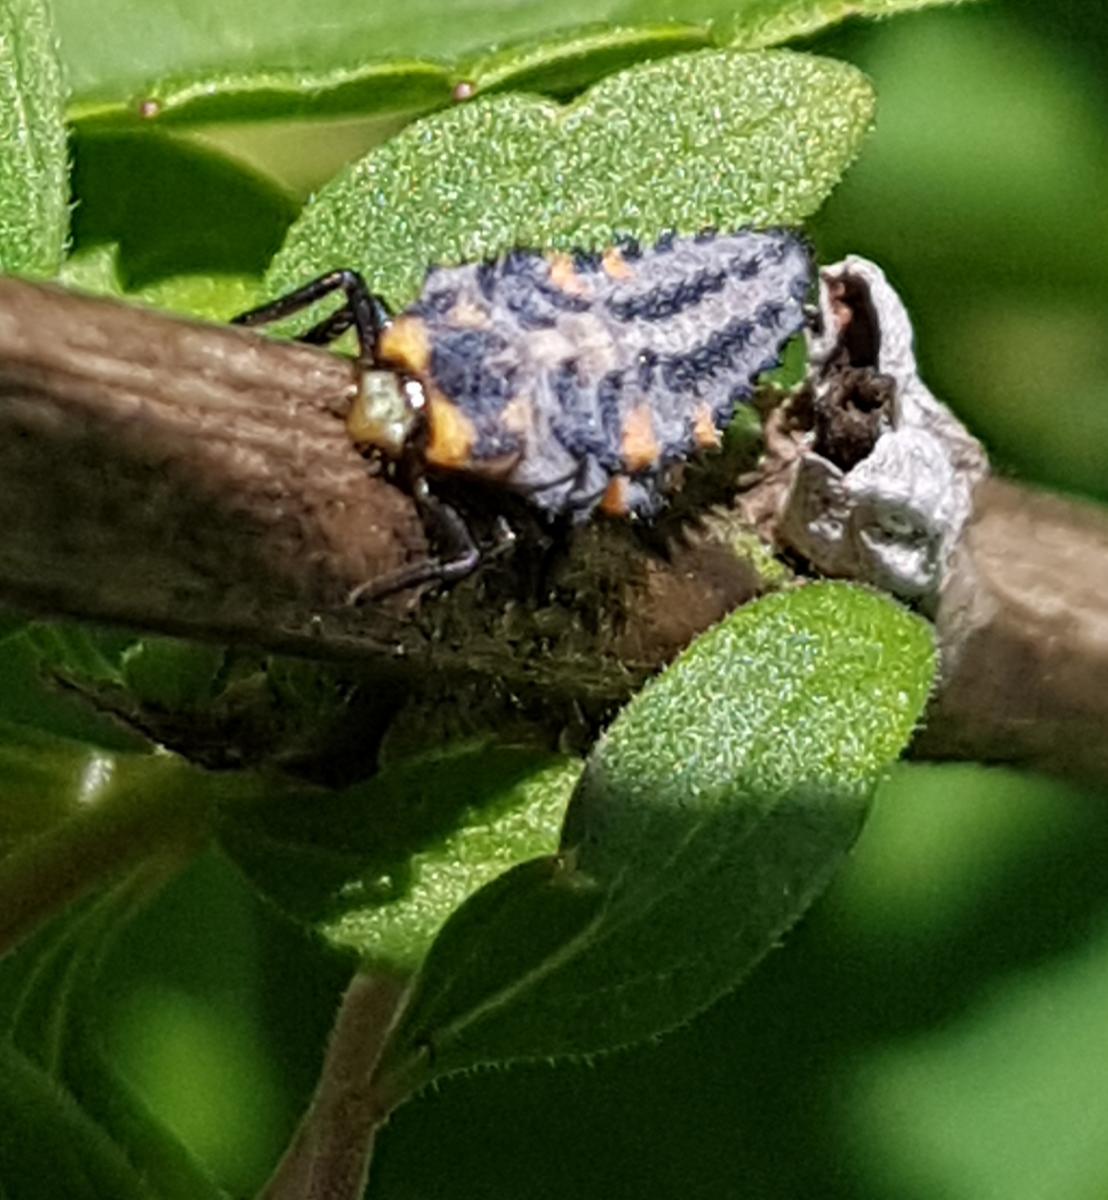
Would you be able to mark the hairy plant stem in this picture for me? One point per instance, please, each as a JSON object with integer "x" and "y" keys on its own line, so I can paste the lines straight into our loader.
{"x": 330, "y": 1153}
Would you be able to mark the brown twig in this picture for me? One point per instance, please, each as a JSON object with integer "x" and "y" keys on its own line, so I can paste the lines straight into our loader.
{"x": 185, "y": 478}
{"x": 1023, "y": 622}
{"x": 197, "y": 480}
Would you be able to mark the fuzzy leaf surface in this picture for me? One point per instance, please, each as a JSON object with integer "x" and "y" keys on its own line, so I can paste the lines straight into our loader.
{"x": 710, "y": 138}
{"x": 377, "y": 868}
{"x": 34, "y": 168}
{"x": 708, "y": 818}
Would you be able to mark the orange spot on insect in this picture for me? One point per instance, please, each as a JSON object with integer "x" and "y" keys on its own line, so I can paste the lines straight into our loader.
{"x": 564, "y": 275}
{"x": 452, "y": 434}
{"x": 639, "y": 445}
{"x": 404, "y": 344}
{"x": 705, "y": 433}
{"x": 615, "y": 265}
{"x": 615, "y": 501}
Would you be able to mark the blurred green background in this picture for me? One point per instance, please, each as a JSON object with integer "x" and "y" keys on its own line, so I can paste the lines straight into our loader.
{"x": 938, "y": 1028}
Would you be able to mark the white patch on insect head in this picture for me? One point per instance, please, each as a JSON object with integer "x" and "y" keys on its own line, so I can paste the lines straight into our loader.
{"x": 893, "y": 519}
{"x": 385, "y": 410}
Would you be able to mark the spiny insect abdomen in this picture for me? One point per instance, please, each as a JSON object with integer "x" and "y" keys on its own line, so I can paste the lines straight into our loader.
{"x": 578, "y": 379}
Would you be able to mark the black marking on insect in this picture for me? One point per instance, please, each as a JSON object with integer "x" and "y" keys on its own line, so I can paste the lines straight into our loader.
{"x": 574, "y": 380}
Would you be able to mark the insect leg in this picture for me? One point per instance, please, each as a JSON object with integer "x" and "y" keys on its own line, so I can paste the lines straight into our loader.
{"x": 363, "y": 310}
{"x": 460, "y": 555}
{"x": 330, "y": 329}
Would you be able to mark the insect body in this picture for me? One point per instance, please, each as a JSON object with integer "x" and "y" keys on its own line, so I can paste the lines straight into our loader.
{"x": 576, "y": 380}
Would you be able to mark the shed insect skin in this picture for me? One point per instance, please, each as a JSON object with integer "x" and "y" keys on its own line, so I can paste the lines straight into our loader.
{"x": 575, "y": 380}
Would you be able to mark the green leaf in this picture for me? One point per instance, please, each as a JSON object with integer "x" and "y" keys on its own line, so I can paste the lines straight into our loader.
{"x": 207, "y": 60}
{"x": 152, "y": 195}
{"x": 404, "y": 85}
{"x": 453, "y": 186}
{"x": 709, "y": 817}
{"x": 172, "y": 673}
{"x": 770, "y": 22}
{"x": 45, "y": 779}
{"x": 166, "y": 672}
{"x": 214, "y": 297}
{"x": 711, "y": 138}
{"x": 49, "y": 971}
{"x": 94, "y": 270}
{"x": 217, "y": 707}
{"x": 118, "y": 673}
{"x": 29, "y": 697}
{"x": 561, "y": 63}
{"x": 76, "y": 817}
{"x": 82, "y": 652}
{"x": 50, "y": 1147}
{"x": 376, "y": 869}
{"x": 50, "y": 993}
{"x": 34, "y": 195}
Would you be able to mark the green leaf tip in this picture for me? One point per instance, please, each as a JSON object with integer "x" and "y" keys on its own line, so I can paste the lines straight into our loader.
{"x": 708, "y": 819}
{"x": 34, "y": 168}
{"x": 719, "y": 138}
{"x": 377, "y": 868}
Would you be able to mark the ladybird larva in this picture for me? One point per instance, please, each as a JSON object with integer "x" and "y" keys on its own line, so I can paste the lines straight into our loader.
{"x": 576, "y": 379}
